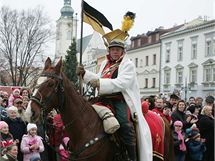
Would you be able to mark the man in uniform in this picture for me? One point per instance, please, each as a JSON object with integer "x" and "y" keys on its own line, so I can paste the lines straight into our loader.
{"x": 117, "y": 87}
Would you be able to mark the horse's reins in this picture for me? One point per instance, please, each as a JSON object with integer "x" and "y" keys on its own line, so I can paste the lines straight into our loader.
{"x": 42, "y": 103}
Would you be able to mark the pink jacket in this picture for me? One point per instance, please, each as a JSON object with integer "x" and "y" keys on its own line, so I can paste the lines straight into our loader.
{"x": 27, "y": 141}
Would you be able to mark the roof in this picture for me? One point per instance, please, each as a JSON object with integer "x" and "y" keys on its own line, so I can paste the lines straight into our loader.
{"x": 85, "y": 42}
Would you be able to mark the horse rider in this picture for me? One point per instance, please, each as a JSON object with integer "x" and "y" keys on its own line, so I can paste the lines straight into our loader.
{"x": 118, "y": 88}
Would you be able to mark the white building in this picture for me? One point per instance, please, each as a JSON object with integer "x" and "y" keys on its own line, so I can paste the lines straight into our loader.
{"x": 66, "y": 29}
{"x": 188, "y": 60}
{"x": 145, "y": 53}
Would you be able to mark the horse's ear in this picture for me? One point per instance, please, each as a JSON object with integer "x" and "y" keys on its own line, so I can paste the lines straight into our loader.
{"x": 47, "y": 63}
{"x": 58, "y": 66}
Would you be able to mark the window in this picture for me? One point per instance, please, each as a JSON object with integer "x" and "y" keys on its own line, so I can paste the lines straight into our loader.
{"x": 193, "y": 75}
{"x": 180, "y": 50}
{"x": 136, "y": 62}
{"x": 147, "y": 60}
{"x": 167, "y": 77}
{"x": 139, "y": 42}
{"x": 132, "y": 44}
{"x": 146, "y": 82}
{"x": 154, "y": 59}
{"x": 153, "y": 82}
{"x": 209, "y": 71}
{"x": 208, "y": 48}
{"x": 157, "y": 37}
{"x": 168, "y": 52}
{"x": 194, "y": 47}
{"x": 210, "y": 44}
{"x": 207, "y": 74}
{"x": 179, "y": 76}
{"x": 149, "y": 39}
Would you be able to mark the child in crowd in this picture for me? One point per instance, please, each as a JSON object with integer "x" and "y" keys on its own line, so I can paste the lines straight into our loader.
{"x": 10, "y": 153}
{"x": 6, "y": 138}
{"x": 63, "y": 149}
{"x": 31, "y": 144}
{"x": 179, "y": 141}
{"x": 196, "y": 145}
{"x": 15, "y": 94}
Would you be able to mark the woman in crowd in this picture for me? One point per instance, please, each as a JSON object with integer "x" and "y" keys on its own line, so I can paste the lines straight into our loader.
{"x": 206, "y": 127}
{"x": 10, "y": 153}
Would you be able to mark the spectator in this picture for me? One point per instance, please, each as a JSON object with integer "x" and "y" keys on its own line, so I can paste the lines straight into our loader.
{"x": 24, "y": 92}
{"x": 173, "y": 101}
{"x": 63, "y": 149}
{"x": 179, "y": 115}
{"x": 3, "y": 111}
{"x": 6, "y": 138}
{"x": 31, "y": 144}
{"x": 10, "y": 153}
{"x": 192, "y": 100}
{"x": 16, "y": 126}
{"x": 196, "y": 146}
{"x": 13, "y": 96}
{"x": 179, "y": 141}
{"x": 206, "y": 127}
{"x": 21, "y": 111}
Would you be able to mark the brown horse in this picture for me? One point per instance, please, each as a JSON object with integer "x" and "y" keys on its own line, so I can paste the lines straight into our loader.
{"x": 83, "y": 125}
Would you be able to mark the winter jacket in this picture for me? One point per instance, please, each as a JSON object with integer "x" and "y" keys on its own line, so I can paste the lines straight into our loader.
{"x": 27, "y": 141}
{"x": 196, "y": 149}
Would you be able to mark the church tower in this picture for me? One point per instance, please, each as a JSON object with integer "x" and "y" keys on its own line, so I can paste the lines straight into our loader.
{"x": 66, "y": 29}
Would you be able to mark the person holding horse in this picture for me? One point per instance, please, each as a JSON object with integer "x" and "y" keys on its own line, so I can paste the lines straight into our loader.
{"x": 118, "y": 88}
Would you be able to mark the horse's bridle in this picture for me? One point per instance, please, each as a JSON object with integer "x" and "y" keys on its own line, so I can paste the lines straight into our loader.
{"x": 59, "y": 87}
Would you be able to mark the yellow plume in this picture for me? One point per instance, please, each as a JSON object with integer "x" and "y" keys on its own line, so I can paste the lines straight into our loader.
{"x": 128, "y": 21}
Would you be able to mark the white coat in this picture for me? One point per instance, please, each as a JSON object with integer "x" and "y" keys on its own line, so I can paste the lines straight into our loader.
{"x": 126, "y": 83}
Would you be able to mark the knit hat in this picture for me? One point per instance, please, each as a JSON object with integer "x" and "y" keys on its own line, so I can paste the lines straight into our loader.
{"x": 31, "y": 126}
{"x": 194, "y": 133}
{"x": 178, "y": 123}
{"x": 3, "y": 124}
{"x": 12, "y": 108}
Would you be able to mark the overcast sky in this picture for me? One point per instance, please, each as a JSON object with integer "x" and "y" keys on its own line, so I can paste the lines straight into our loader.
{"x": 150, "y": 14}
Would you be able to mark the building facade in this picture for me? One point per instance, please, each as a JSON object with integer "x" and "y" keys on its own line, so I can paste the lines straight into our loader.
{"x": 145, "y": 53}
{"x": 66, "y": 29}
{"x": 188, "y": 60}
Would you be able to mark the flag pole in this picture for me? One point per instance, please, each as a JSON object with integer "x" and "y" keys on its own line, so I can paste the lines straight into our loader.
{"x": 81, "y": 51}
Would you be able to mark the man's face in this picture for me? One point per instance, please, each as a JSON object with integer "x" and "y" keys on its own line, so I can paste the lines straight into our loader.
{"x": 173, "y": 101}
{"x": 192, "y": 101}
{"x": 116, "y": 52}
{"x": 159, "y": 103}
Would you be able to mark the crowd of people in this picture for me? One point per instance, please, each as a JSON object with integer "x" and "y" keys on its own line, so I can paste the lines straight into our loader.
{"x": 192, "y": 125}
{"x": 23, "y": 141}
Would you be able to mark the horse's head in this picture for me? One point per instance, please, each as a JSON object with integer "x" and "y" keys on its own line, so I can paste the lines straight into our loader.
{"x": 46, "y": 92}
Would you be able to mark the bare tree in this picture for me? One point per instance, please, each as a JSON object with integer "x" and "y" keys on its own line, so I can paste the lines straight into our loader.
{"x": 23, "y": 37}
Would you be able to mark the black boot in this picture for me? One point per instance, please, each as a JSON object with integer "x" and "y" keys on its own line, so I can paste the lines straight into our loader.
{"x": 128, "y": 136}
{"x": 131, "y": 149}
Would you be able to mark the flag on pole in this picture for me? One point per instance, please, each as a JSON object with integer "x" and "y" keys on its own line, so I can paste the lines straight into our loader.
{"x": 96, "y": 19}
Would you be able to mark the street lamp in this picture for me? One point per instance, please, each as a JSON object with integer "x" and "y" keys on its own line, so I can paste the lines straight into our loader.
{"x": 186, "y": 88}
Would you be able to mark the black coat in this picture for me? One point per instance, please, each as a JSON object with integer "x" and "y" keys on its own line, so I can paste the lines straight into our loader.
{"x": 206, "y": 127}
{"x": 16, "y": 127}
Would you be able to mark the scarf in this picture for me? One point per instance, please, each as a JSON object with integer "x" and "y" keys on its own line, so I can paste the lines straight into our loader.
{"x": 182, "y": 146}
